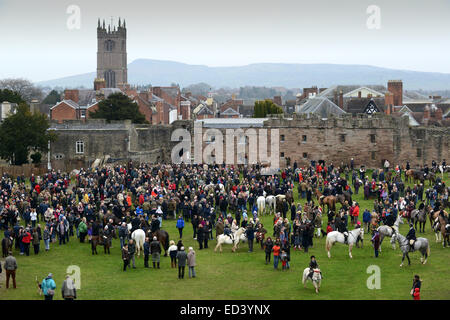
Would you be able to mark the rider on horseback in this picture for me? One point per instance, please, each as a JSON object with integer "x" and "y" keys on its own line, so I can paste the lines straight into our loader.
{"x": 227, "y": 230}
{"x": 411, "y": 236}
{"x": 342, "y": 227}
{"x": 313, "y": 265}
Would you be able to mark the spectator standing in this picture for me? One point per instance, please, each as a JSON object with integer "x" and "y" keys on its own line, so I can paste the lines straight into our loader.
{"x": 191, "y": 262}
{"x": 48, "y": 287}
{"x": 181, "y": 257}
{"x": 10, "y": 269}
{"x": 68, "y": 290}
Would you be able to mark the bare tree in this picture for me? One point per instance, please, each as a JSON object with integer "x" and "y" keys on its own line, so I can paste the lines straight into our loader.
{"x": 24, "y": 87}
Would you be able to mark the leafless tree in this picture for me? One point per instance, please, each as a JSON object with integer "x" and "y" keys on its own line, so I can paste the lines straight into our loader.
{"x": 24, "y": 87}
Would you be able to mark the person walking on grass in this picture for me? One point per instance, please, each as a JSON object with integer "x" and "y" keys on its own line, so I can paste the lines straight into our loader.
{"x": 82, "y": 229}
{"x": 276, "y": 254}
{"x": 68, "y": 290}
{"x": 268, "y": 246}
{"x": 146, "y": 251}
{"x": 415, "y": 290}
{"x": 46, "y": 238}
{"x": 155, "y": 250}
{"x": 48, "y": 287}
{"x": 181, "y": 257}
{"x": 132, "y": 251}
{"x": 125, "y": 257}
{"x": 173, "y": 249}
{"x": 180, "y": 226}
{"x": 36, "y": 242}
{"x": 10, "y": 269}
{"x": 376, "y": 243}
{"x": 191, "y": 262}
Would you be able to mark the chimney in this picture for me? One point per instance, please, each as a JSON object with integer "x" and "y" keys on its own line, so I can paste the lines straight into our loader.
{"x": 438, "y": 114}
{"x": 341, "y": 100}
{"x": 99, "y": 84}
{"x": 388, "y": 102}
{"x": 277, "y": 100}
{"x": 396, "y": 87}
{"x": 426, "y": 114}
{"x": 359, "y": 94}
{"x": 71, "y": 95}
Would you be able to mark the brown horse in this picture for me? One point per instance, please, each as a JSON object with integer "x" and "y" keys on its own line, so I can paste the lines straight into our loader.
{"x": 163, "y": 237}
{"x": 94, "y": 242}
{"x": 105, "y": 239}
{"x": 441, "y": 227}
{"x": 6, "y": 246}
{"x": 330, "y": 201}
{"x": 345, "y": 196}
{"x": 290, "y": 197}
{"x": 431, "y": 177}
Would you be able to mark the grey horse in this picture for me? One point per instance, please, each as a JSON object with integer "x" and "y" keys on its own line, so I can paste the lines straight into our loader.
{"x": 387, "y": 231}
{"x": 421, "y": 245}
{"x": 419, "y": 216}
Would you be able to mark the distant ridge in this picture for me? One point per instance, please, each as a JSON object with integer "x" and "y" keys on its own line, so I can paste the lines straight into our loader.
{"x": 163, "y": 73}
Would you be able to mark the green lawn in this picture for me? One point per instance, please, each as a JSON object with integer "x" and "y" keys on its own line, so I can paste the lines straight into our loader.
{"x": 238, "y": 275}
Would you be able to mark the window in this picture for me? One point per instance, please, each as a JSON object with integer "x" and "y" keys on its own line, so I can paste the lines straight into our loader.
{"x": 419, "y": 153}
{"x": 79, "y": 147}
{"x": 373, "y": 155}
{"x": 342, "y": 137}
{"x": 305, "y": 155}
{"x": 282, "y": 138}
{"x": 372, "y": 138}
{"x": 304, "y": 138}
{"x": 83, "y": 113}
{"x": 282, "y": 154}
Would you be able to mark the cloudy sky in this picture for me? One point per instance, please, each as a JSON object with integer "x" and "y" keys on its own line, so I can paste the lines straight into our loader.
{"x": 37, "y": 44}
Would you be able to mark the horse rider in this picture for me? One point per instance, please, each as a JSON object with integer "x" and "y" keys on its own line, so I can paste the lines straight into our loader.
{"x": 342, "y": 227}
{"x": 411, "y": 236}
{"x": 227, "y": 230}
{"x": 313, "y": 265}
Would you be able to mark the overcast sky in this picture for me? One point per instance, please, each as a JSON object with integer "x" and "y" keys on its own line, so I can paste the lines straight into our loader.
{"x": 414, "y": 34}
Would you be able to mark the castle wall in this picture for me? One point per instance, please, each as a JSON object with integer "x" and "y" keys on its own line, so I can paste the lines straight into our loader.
{"x": 368, "y": 140}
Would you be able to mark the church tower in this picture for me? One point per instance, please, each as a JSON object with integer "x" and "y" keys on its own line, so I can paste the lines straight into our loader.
{"x": 112, "y": 54}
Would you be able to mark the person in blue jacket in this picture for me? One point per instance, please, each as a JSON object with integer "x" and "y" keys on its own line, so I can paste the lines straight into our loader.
{"x": 366, "y": 219}
{"x": 48, "y": 287}
{"x": 180, "y": 225}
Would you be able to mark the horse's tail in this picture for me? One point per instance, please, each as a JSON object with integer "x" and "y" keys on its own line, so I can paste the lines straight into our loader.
{"x": 166, "y": 245}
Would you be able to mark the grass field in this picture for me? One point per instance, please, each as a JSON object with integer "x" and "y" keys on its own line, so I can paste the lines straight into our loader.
{"x": 238, "y": 275}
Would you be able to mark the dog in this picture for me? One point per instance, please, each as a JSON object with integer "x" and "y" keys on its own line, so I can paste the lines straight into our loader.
{"x": 39, "y": 287}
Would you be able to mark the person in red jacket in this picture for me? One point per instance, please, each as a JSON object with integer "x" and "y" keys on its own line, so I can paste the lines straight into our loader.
{"x": 416, "y": 294}
{"x": 276, "y": 253}
{"x": 26, "y": 239}
{"x": 355, "y": 212}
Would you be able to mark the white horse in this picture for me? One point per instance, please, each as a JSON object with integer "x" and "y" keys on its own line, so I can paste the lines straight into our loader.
{"x": 316, "y": 278}
{"x": 261, "y": 203}
{"x": 336, "y": 236}
{"x": 386, "y": 231}
{"x": 238, "y": 236}
{"x": 138, "y": 236}
{"x": 271, "y": 203}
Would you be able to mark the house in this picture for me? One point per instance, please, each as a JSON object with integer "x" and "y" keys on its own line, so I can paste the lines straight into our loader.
{"x": 6, "y": 109}
{"x": 321, "y": 106}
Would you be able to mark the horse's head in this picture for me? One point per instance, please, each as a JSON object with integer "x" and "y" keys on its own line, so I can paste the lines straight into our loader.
{"x": 316, "y": 275}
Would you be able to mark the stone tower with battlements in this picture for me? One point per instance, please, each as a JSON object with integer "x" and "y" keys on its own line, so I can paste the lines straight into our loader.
{"x": 112, "y": 54}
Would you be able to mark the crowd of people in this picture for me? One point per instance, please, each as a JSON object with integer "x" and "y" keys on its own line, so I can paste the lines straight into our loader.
{"x": 56, "y": 208}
